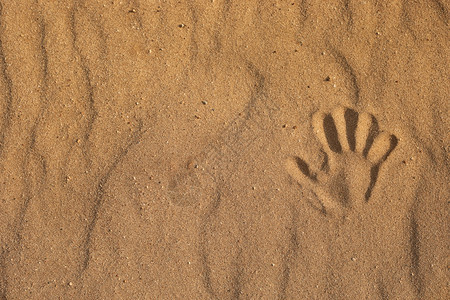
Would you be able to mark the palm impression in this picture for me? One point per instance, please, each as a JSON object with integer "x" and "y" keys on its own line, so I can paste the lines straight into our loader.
{"x": 354, "y": 151}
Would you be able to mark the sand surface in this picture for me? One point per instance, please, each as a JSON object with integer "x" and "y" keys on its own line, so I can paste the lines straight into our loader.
{"x": 222, "y": 149}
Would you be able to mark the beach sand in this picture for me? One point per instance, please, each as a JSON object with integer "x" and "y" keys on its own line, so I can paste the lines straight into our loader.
{"x": 221, "y": 149}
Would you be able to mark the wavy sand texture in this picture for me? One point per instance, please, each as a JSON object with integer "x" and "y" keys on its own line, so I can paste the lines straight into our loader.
{"x": 224, "y": 149}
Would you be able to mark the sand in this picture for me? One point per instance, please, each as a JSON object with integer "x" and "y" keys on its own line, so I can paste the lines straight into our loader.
{"x": 218, "y": 149}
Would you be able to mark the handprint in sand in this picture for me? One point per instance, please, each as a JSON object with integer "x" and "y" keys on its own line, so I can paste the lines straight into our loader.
{"x": 354, "y": 150}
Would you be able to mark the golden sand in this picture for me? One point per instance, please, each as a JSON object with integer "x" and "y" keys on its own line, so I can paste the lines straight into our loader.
{"x": 221, "y": 149}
